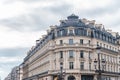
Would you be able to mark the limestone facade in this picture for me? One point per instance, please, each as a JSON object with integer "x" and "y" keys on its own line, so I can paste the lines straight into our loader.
{"x": 73, "y": 43}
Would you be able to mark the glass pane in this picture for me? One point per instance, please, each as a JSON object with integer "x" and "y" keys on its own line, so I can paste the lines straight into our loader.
{"x": 70, "y": 41}
{"x": 71, "y": 53}
{"x": 81, "y": 41}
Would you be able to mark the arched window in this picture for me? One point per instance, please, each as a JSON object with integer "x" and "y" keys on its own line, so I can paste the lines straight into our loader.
{"x": 71, "y": 78}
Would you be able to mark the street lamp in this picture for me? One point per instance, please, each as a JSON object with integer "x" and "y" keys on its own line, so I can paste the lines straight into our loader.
{"x": 61, "y": 74}
{"x": 99, "y": 62}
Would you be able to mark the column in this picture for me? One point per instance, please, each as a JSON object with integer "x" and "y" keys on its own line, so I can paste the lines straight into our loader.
{"x": 50, "y": 77}
{"x": 95, "y": 77}
{"x": 78, "y": 76}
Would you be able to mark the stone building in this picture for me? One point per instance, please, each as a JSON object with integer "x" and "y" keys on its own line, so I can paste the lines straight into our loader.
{"x": 69, "y": 50}
{"x": 15, "y": 74}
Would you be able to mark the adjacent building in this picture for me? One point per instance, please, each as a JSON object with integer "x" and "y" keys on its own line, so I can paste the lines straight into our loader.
{"x": 70, "y": 49}
{"x": 15, "y": 74}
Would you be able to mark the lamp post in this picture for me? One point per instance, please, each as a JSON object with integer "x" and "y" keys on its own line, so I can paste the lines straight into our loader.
{"x": 99, "y": 62}
{"x": 61, "y": 74}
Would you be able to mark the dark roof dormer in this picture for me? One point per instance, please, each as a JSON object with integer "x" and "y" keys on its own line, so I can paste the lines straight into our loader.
{"x": 72, "y": 20}
{"x": 72, "y": 17}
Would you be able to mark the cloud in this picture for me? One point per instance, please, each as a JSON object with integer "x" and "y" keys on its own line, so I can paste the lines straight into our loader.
{"x": 13, "y": 9}
{"x": 37, "y": 18}
{"x": 108, "y": 9}
{"x": 13, "y": 52}
{"x": 22, "y": 23}
{"x": 9, "y": 59}
{"x": 16, "y": 39}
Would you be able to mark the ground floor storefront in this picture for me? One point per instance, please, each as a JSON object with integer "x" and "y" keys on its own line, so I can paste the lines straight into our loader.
{"x": 73, "y": 77}
{"x": 87, "y": 77}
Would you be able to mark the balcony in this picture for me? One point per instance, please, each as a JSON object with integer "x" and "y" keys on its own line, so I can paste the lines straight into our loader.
{"x": 82, "y": 59}
{"x": 71, "y": 59}
{"x": 108, "y": 72}
{"x": 109, "y": 50}
{"x": 84, "y": 71}
{"x": 66, "y": 45}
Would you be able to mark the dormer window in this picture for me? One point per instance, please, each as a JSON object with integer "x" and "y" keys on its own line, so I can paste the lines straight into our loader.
{"x": 61, "y": 33}
{"x": 89, "y": 33}
{"x": 96, "y": 34}
{"x": 71, "y": 32}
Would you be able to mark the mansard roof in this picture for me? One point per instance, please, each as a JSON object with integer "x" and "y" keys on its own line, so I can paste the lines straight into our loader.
{"x": 72, "y": 20}
{"x": 81, "y": 27}
{"x": 72, "y": 16}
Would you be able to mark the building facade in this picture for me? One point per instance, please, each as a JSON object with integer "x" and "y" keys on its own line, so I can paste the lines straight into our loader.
{"x": 15, "y": 74}
{"x": 72, "y": 45}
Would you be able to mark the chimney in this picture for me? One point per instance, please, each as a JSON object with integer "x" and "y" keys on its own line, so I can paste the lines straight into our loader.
{"x": 43, "y": 36}
{"x": 37, "y": 42}
{"x": 84, "y": 20}
{"x": 99, "y": 26}
{"x": 52, "y": 27}
{"x": 92, "y": 22}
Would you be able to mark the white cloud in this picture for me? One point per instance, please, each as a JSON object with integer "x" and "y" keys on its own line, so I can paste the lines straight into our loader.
{"x": 10, "y": 59}
{"x": 12, "y": 39}
{"x": 12, "y": 10}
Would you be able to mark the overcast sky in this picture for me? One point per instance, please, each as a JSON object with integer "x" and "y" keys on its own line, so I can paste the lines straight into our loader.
{"x": 24, "y": 21}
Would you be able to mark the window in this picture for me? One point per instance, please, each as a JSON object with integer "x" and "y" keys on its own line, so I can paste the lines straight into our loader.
{"x": 101, "y": 44}
{"x": 61, "y": 54}
{"x": 61, "y": 42}
{"x": 108, "y": 68}
{"x": 61, "y": 65}
{"x": 107, "y": 46}
{"x": 71, "y": 54}
{"x": 81, "y": 31}
{"x": 89, "y": 42}
{"x": 71, "y": 32}
{"x": 97, "y": 43}
{"x": 96, "y": 35}
{"x": 104, "y": 45}
{"x": 81, "y": 54}
{"x": 81, "y": 41}
{"x": 61, "y": 33}
{"x": 71, "y": 41}
{"x": 89, "y": 33}
{"x": 89, "y": 66}
{"x": 71, "y": 65}
{"x": 111, "y": 68}
{"x": 110, "y": 47}
{"x": 82, "y": 65}
{"x": 105, "y": 57}
{"x": 89, "y": 55}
